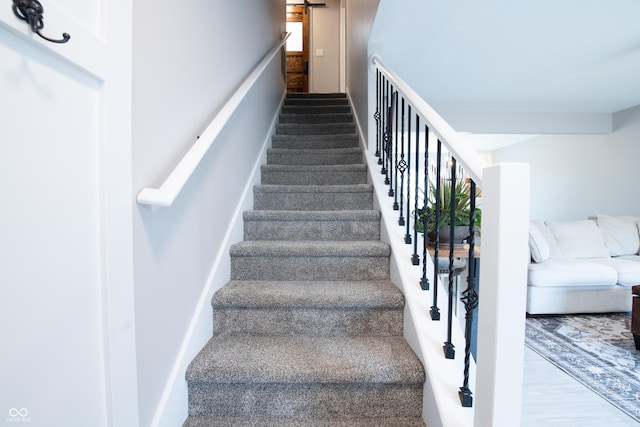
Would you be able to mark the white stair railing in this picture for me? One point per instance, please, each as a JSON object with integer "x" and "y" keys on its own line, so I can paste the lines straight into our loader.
{"x": 173, "y": 184}
{"x": 497, "y": 386}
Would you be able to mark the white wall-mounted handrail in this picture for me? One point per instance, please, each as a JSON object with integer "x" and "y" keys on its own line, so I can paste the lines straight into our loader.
{"x": 474, "y": 164}
{"x": 171, "y": 187}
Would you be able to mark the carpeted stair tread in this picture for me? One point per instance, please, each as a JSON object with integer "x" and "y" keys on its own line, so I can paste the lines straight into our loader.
{"x": 311, "y": 225}
{"x": 313, "y": 197}
{"x": 346, "y": 174}
{"x": 318, "y": 150}
{"x": 316, "y": 294}
{"x": 314, "y": 156}
{"x": 309, "y": 260}
{"x": 318, "y": 360}
{"x": 316, "y": 141}
{"x": 315, "y": 129}
{"x": 355, "y": 215}
{"x": 316, "y": 118}
{"x": 308, "y": 308}
{"x": 309, "y": 249}
{"x": 352, "y": 188}
{"x": 205, "y": 421}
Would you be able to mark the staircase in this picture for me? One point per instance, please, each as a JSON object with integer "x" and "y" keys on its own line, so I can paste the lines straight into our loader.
{"x": 309, "y": 329}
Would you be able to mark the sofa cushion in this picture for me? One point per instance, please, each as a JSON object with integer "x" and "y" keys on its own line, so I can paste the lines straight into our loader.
{"x": 628, "y": 271}
{"x": 571, "y": 272}
{"x": 579, "y": 239}
{"x": 543, "y": 240}
{"x": 628, "y": 218}
{"x": 620, "y": 236}
{"x": 635, "y": 258}
{"x": 538, "y": 245}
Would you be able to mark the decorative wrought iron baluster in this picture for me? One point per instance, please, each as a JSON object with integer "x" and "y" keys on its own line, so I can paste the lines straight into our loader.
{"x": 392, "y": 152}
{"x": 424, "y": 282}
{"x": 389, "y": 140}
{"x": 435, "y": 311}
{"x": 396, "y": 206}
{"x": 449, "y": 351}
{"x": 470, "y": 300}
{"x": 415, "y": 259}
{"x": 385, "y": 126}
{"x": 407, "y": 234}
{"x": 376, "y": 115}
{"x": 402, "y": 167}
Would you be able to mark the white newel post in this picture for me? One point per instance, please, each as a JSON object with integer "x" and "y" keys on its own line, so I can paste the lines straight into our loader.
{"x": 502, "y": 295}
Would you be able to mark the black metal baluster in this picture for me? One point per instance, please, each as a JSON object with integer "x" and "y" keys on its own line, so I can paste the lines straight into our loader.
{"x": 376, "y": 115}
{"x": 470, "y": 300}
{"x": 389, "y": 143}
{"x": 407, "y": 234}
{"x": 396, "y": 206}
{"x": 415, "y": 259}
{"x": 435, "y": 311}
{"x": 424, "y": 282}
{"x": 402, "y": 167}
{"x": 385, "y": 121}
{"x": 391, "y": 151}
{"x": 449, "y": 351}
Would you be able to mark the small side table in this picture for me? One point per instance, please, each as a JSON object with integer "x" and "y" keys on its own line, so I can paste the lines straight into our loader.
{"x": 635, "y": 315}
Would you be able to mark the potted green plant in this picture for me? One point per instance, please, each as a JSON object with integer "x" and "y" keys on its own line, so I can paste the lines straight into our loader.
{"x": 462, "y": 211}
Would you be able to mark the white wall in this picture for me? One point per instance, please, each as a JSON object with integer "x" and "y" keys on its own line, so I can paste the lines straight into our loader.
{"x": 574, "y": 176}
{"x": 360, "y": 15}
{"x": 325, "y": 35}
{"x": 187, "y": 62}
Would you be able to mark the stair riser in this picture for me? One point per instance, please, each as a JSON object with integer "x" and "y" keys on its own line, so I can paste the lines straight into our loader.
{"x": 335, "y": 401}
{"x": 315, "y": 178}
{"x": 308, "y": 321}
{"x": 302, "y": 142}
{"x": 309, "y": 268}
{"x": 313, "y": 157}
{"x": 338, "y": 95}
{"x": 316, "y": 118}
{"x": 314, "y": 129}
{"x": 312, "y": 230}
{"x": 313, "y": 201}
{"x": 207, "y": 421}
{"x": 316, "y": 102}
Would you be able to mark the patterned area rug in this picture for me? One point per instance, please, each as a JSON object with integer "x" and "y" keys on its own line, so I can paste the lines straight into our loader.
{"x": 597, "y": 350}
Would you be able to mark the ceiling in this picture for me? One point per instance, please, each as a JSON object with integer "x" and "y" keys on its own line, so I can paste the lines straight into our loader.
{"x": 544, "y": 66}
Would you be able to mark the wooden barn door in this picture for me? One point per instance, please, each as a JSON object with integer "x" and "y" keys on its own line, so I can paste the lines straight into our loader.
{"x": 298, "y": 49}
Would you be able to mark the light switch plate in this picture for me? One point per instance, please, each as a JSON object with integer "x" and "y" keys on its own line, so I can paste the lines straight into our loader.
{"x": 319, "y": 52}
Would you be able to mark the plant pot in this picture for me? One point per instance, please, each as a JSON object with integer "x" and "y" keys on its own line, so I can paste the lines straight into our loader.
{"x": 460, "y": 233}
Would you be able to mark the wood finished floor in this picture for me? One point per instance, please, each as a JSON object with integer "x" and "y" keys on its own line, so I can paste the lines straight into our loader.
{"x": 553, "y": 398}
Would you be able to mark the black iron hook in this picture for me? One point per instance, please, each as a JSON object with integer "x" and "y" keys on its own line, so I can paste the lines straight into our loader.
{"x": 31, "y": 12}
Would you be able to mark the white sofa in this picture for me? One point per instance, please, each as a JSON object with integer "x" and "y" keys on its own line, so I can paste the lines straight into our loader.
{"x": 583, "y": 266}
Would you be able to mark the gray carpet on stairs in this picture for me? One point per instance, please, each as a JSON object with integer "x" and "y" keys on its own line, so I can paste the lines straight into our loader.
{"x": 308, "y": 332}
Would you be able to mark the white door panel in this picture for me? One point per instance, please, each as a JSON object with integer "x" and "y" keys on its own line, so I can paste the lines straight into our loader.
{"x": 57, "y": 171}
